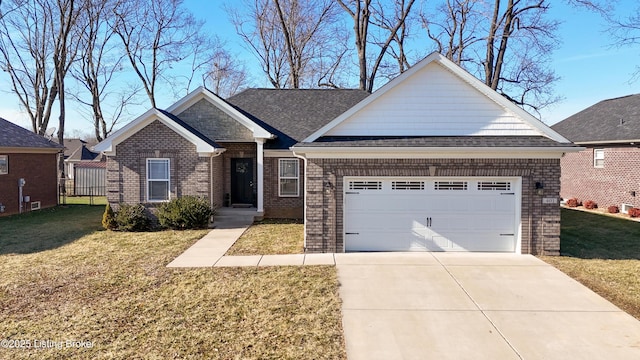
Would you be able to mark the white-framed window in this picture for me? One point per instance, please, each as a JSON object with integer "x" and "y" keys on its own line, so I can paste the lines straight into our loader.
{"x": 158, "y": 180}
{"x": 289, "y": 177}
{"x": 598, "y": 158}
{"x": 4, "y": 164}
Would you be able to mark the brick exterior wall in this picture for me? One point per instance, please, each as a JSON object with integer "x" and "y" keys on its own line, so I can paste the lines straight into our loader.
{"x": 274, "y": 205}
{"x": 610, "y": 185}
{"x": 540, "y": 223}
{"x": 214, "y": 123}
{"x": 40, "y": 174}
{"x": 126, "y": 173}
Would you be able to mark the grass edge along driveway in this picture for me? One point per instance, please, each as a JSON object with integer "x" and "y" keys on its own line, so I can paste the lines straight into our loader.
{"x": 113, "y": 290}
{"x": 603, "y": 253}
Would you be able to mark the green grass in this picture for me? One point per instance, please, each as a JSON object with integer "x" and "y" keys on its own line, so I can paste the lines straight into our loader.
{"x": 83, "y": 200}
{"x": 114, "y": 290}
{"x": 271, "y": 237}
{"x": 48, "y": 228}
{"x": 603, "y": 253}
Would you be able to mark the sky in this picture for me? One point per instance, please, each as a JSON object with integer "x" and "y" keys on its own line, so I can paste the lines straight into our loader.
{"x": 590, "y": 69}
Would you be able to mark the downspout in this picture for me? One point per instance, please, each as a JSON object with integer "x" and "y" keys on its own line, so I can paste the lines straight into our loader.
{"x": 304, "y": 205}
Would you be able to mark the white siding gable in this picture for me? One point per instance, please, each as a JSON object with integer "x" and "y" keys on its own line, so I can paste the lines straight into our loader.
{"x": 433, "y": 102}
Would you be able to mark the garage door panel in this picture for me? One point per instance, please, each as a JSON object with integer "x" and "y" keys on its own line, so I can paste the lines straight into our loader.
{"x": 435, "y": 215}
{"x": 386, "y": 241}
{"x": 381, "y": 221}
{"x": 384, "y": 202}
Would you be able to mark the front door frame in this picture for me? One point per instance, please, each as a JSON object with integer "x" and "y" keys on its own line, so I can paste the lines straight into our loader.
{"x": 242, "y": 183}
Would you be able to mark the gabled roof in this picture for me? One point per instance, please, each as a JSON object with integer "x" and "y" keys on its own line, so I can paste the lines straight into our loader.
{"x": 614, "y": 120}
{"x": 412, "y": 79}
{"x": 79, "y": 150}
{"x": 201, "y": 93}
{"x": 294, "y": 114}
{"x": 203, "y": 144}
{"x": 14, "y": 136}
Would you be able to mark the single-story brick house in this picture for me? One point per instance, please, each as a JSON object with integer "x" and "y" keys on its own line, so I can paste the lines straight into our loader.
{"x": 433, "y": 160}
{"x": 606, "y": 170}
{"x": 28, "y": 156}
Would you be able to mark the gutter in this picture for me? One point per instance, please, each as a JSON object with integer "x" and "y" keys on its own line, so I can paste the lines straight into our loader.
{"x": 304, "y": 201}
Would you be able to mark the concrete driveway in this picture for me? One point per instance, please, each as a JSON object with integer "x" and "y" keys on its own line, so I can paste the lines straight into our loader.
{"x": 475, "y": 306}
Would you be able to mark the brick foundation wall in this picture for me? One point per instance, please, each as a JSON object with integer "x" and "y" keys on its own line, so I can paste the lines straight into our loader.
{"x": 540, "y": 223}
{"x": 610, "y": 185}
{"x": 126, "y": 173}
{"x": 40, "y": 174}
{"x": 274, "y": 205}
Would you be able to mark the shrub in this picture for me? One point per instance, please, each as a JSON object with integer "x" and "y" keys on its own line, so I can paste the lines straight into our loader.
{"x": 634, "y": 212}
{"x": 573, "y": 202}
{"x": 187, "y": 212}
{"x": 613, "y": 209}
{"x": 109, "y": 219}
{"x": 132, "y": 218}
{"x": 589, "y": 204}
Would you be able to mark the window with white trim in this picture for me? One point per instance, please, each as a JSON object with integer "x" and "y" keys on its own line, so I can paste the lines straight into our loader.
{"x": 4, "y": 164}
{"x": 598, "y": 158}
{"x": 158, "y": 180}
{"x": 289, "y": 177}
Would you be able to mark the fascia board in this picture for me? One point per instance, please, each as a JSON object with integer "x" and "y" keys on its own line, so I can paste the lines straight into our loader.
{"x": 108, "y": 145}
{"x": 433, "y": 152}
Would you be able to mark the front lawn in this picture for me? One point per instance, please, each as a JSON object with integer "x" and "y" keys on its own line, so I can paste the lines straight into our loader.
{"x": 271, "y": 237}
{"x": 112, "y": 291}
{"x": 603, "y": 253}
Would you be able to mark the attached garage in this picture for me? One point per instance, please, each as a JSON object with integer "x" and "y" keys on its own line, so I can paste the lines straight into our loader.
{"x": 433, "y": 161}
{"x": 431, "y": 214}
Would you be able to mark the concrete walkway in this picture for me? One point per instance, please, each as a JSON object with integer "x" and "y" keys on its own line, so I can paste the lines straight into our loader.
{"x": 229, "y": 226}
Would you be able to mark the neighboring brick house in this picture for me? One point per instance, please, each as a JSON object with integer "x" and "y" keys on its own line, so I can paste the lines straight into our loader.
{"x": 606, "y": 170}
{"x": 433, "y": 160}
{"x": 28, "y": 156}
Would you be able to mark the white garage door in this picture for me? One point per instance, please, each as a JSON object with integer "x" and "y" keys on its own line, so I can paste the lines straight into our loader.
{"x": 431, "y": 214}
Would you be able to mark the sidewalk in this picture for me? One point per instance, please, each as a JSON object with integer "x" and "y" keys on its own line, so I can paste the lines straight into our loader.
{"x": 209, "y": 251}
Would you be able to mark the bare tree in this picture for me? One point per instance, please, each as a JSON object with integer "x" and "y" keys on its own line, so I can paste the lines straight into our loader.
{"x": 37, "y": 51}
{"x": 505, "y": 43}
{"x": 294, "y": 40}
{"x": 156, "y": 35}
{"x": 625, "y": 32}
{"x": 99, "y": 61}
{"x": 226, "y": 77}
{"x": 362, "y": 13}
{"x": 454, "y": 28}
{"x": 27, "y": 57}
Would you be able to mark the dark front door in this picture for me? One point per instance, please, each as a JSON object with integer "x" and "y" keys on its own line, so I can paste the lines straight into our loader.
{"x": 242, "y": 181}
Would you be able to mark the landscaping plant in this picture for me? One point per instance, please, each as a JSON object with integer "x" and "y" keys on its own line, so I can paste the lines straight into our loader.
{"x": 613, "y": 209}
{"x": 132, "y": 218}
{"x": 187, "y": 212}
{"x": 589, "y": 204}
{"x": 109, "y": 218}
{"x": 573, "y": 202}
{"x": 634, "y": 212}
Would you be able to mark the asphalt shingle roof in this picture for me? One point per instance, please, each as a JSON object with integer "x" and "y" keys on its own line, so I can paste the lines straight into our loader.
{"x": 435, "y": 141}
{"x": 12, "y": 135}
{"x": 609, "y": 120}
{"x": 294, "y": 114}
